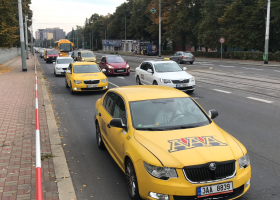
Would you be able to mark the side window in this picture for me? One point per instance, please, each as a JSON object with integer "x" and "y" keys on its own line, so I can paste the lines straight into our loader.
{"x": 108, "y": 102}
{"x": 144, "y": 66}
{"x": 150, "y": 66}
{"x": 175, "y": 54}
{"x": 103, "y": 59}
{"x": 119, "y": 110}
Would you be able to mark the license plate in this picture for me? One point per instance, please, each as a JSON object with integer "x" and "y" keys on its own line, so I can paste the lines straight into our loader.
{"x": 91, "y": 86}
{"x": 181, "y": 85}
{"x": 120, "y": 70}
{"x": 212, "y": 190}
{"x": 64, "y": 70}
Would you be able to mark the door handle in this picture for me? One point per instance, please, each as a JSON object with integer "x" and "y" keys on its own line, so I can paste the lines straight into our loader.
{"x": 108, "y": 125}
{"x": 99, "y": 114}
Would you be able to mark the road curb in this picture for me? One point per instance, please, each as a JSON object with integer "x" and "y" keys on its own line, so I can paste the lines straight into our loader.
{"x": 65, "y": 186}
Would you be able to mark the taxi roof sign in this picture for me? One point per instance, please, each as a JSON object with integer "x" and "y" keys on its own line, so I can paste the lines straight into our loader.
{"x": 166, "y": 59}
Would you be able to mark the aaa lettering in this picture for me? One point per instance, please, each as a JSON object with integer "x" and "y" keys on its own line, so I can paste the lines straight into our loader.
{"x": 193, "y": 142}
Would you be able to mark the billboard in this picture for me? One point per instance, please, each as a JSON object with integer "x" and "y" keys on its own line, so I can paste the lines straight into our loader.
{"x": 115, "y": 43}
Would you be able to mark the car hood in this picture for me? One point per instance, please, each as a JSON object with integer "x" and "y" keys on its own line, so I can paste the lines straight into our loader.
{"x": 90, "y": 59}
{"x": 174, "y": 75}
{"x": 52, "y": 55}
{"x": 187, "y": 147}
{"x": 89, "y": 76}
{"x": 117, "y": 65}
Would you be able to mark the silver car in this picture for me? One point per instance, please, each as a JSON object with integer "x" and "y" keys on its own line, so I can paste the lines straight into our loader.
{"x": 183, "y": 57}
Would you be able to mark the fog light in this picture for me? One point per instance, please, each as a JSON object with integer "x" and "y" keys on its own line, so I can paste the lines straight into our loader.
{"x": 109, "y": 70}
{"x": 248, "y": 183}
{"x": 76, "y": 88}
{"x": 105, "y": 87}
{"x": 159, "y": 196}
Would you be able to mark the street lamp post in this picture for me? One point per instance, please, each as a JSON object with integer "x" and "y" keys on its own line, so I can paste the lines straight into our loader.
{"x": 159, "y": 38}
{"x": 23, "y": 58}
{"x": 26, "y": 38}
{"x": 125, "y": 32}
{"x": 267, "y": 32}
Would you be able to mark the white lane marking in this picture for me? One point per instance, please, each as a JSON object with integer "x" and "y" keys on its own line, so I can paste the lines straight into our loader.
{"x": 114, "y": 84}
{"x": 251, "y": 68}
{"x": 225, "y": 66}
{"x": 120, "y": 77}
{"x": 262, "y": 100}
{"x": 276, "y": 70}
{"x": 222, "y": 91}
{"x": 206, "y": 64}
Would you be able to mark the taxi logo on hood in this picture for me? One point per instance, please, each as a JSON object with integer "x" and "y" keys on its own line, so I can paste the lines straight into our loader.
{"x": 193, "y": 142}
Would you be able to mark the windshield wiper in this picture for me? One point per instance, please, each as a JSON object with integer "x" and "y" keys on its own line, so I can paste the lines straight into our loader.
{"x": 152, "y": 129}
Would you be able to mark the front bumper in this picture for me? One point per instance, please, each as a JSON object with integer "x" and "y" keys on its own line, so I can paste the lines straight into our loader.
{"x": 181, "y": 86}
{"x": 51, "y": 59}
{"x": 117, "y": 71}
{"x": 180, "y": 189}
{"x": 60, "y": 71}
{"x": 87, "y": 87}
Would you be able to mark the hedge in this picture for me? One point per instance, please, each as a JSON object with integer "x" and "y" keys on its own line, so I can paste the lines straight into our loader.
{"x": 240, "y": 55}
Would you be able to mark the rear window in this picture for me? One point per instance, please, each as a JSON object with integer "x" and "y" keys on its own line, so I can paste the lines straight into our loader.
{"x": 75, "y": 53}
{"x": 87, "y": 54}
{"x": 188, "y": 54}
{"x": 52, "y": 52}
{"x": 115, "y": 59}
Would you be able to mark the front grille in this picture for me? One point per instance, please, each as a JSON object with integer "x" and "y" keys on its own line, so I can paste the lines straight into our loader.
{"x": 95, "y": 88}
{"x": 64, "y": 68}
{"x": 91, "y": 81}
{"x": 116, "y": 70}
{"x": 179, "y": 81}
{"x": 185, "y": 88}
{"x": 202, "y": 173}
{"x": 236, "y": 192}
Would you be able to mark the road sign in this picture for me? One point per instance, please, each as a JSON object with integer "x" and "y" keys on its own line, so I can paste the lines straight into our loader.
{"x": 222, "y": 40}
{"x": 153, "y": 10}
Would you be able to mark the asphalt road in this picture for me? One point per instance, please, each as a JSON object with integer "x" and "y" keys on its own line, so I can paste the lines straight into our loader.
{"x": 251, "y": 118}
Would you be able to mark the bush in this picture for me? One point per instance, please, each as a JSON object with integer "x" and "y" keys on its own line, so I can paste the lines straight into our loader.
{"x": 166, "y": 52}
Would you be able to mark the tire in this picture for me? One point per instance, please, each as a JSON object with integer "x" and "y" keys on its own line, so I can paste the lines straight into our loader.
{"x": 138, "y": 82}
{"x": 155, "y": 83}
{"x": 54, "y": 73}
{"x": 178, "y": 61}
{"x": 99, "y": 140}
{"x": 71, "y": 89}
{"x": 66, "y": 84}
{"x": 131, "y": 181}
{"x": 191, "y": 63}
{"x": 128, "y": 74}
{"x": 190, "y": 91}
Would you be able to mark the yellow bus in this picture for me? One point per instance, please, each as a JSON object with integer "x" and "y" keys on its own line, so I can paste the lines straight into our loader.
{"x": 63, "y": 46}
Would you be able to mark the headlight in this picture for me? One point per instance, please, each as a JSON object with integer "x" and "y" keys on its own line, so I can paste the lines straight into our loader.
{"x": 83, "y": 59}
{"x": 58, "y": 68}
{"x": 165, "y": 80}
{"x": 104, "y": 80}
{"x": 192, "y": 79}
{"x": 47, "y": 56}
{"x": 77, "y": 82}
{"x": 244, "y": 161}
{"x": 60, "y": 54}
{"x": 127, "y": 66}
{"x": 110, "y": 67}
{"x": 163, "y": 173}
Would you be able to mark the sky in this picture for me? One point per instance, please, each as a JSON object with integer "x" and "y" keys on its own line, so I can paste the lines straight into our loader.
{"x": 68, "y": 13}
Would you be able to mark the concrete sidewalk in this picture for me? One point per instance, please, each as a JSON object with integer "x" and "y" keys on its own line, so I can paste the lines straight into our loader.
{"x": 17, "y": 135}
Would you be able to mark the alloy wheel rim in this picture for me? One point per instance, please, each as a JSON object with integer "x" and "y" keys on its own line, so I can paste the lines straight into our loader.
{"x": 137, "y": 81}
{"x": 130, "y": 180}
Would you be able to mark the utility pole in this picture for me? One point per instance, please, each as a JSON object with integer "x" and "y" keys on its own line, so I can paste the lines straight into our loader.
{"x": 26, "y": 38}
{"x": 90, "y": 41}
{"x": 32, "y": 37}
{"x": 96, "y": 44}
{"x": 125, "y": 32}
{"x": 23, "y": 58}
{"x": 267, "y": 33}
{"x": 159, "y": 38}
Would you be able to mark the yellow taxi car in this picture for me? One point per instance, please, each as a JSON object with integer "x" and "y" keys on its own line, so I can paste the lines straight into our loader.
{"x": 86, "y": 56}
{"x": 85, "y": 76}
{"x": 168, "y": 146}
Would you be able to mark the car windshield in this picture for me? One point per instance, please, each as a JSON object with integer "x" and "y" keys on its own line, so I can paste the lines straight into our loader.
{"x": 86, "y": 69}
{"x": 64, "y": 61}
{"x": 52, "y": 52}
{"x": 167, "y": 114}
{"x": 75, "y": 53}
{"x": 167, "y": 67}
{"x": 115, "y": 59}
{"x": 87, "y": 54}
{"x": 65, "y": 47}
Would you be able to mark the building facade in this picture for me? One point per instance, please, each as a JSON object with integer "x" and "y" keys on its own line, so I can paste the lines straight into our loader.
{"x": 50, "y": 33}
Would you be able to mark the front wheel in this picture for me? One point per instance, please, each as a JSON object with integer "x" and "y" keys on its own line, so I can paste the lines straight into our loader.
{"x": 128, "y": 74}
{"x": 99, "y": 140}
{"x": 138, "y": 82}
{"x": 155, "y": 83}
{"x": 71, "y": 89}
{"x": 66, "y": 84}
{"x": 131, "y": 181}
{"x": 178, "y": 61}
{"x": 191, "y": 63}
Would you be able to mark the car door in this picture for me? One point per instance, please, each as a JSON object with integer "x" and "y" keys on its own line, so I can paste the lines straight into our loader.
{"x": 143, "y": 73}
{"x": 68, "y": 74}
{"x": 150, "y": 75}
{"x": 106, "y": 115}
{"x": 118, "y": 135}
{"x": 79, "y": 56}
{"x": 102, "y": 62}
{"x": 174, "y": 56}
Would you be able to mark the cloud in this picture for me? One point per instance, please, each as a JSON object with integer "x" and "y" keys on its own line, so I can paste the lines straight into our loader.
{"x": 68, "y": 13}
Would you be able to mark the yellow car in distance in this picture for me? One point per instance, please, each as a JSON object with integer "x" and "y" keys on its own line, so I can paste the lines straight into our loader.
{"x": 168, "y": 147}
{"x": 86, "y": 56}
{"x": 85, "y": 76}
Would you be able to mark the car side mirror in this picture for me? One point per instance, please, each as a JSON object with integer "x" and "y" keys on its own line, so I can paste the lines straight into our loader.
{"x": 68, "y": 71}
{"x": 104, "y": 71}
{"x": 184, "y": 68}
{"x": 117, "y": 122}
{"x": 213, "y": 114}
{"x": 150, "y": 71}
{"x": 53, "y": 63}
